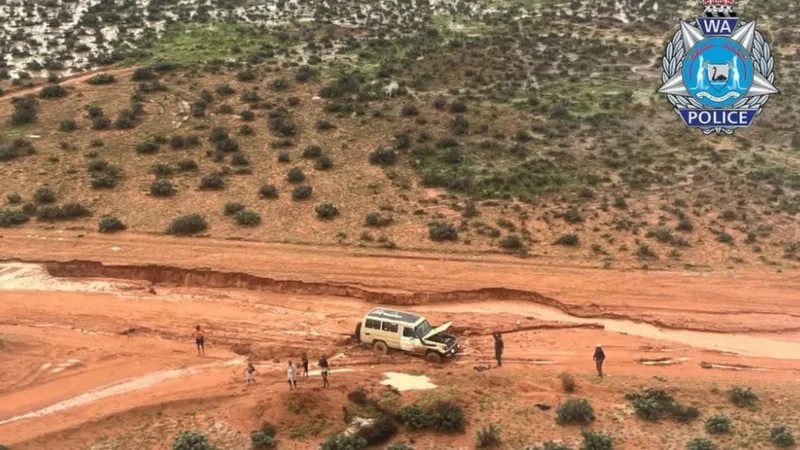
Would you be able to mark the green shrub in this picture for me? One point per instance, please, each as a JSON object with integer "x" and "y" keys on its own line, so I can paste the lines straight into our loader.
{"x": 67, "y": 125}
{"x": 488, "y": 437}
{"x": 376, "y": 220}
{"x": 147, "y": 146}
{"x": 656, "y": 404}
{"x": 16, "y": 149}
{"x": 187, "y": 165}
{"x": 323, "y": 163}
{"x": 567, "y": 382}
{"x": 68, "y": 211}
{"x": 550, "y": 445}
{"x": 247, "y": 218}
{"x": 161, "y": 188}
{"x": 645, "y": 252}
{"x": 240, "y": 159}
{"x": 718, "y": 423}
{"x": 395, "y": 446}
{"x": 326, "y": 210}
{"x": 510, "y": 242}
{"x": 383, "y": 157}
{"x": 13, "y": 198}
{"x": 218, "y": 134}
{"x": 379, "y": 431}
{"x": 295, "y": 175}
{"x": 262, "y": 441}
{"x": 409, "y": 110}
{"x": 53, "y": 91}
{"x": 268, "y": 191}
{"x": 414, "y": 418}
{"x": 572, "y": 216}
{"x": 189, "y": 440}
{"x": 684, "y": 224}
{"x": 110, "y": 224}
{"x": 358, "y": 396}
{"x": 596, "y": 441}
{"x": 187, "y": 224}
{"x": 232, "y": 208}
{"x": 742, "y": 397}
{"x": 101, "y": 78}
{"x": 342, "y": 442}
{"x": 44, "y": 195}
{"x": 724, "y": 237}
{"x": 781, "y": 436}
{"x": 325, "y": 125}
{"x": 312, "y": 151}
{"x": 570, "y": 239}
{"x": 440, "y": 231}
{"x": 213, "y": 181}
{"x": 24, "y": 110}
{"x": 11, "y": 217}
{"x": 684, "y": 414}
{"x": 283, "y": 157}
{"x": 575, "y": 411}
{"x": 448, "y": 416}
{"x": 700, "y": 444}
{"x": 302, "y": 192}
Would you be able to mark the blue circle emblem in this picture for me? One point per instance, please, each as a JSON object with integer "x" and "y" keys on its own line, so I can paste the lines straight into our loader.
{"x": 718, "y": 72}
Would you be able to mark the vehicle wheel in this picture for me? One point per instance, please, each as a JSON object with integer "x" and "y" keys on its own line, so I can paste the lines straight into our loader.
{"x": 380, "y": 348}
{"x": 358, "y": 332}
{"x": 433, "y": 358}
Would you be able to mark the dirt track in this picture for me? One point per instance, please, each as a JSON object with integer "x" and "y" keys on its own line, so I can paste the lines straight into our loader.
{"x": 81, "y": 352}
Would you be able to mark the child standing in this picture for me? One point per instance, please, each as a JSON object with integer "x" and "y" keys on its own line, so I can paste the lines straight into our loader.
{"x": 291, "y": 376}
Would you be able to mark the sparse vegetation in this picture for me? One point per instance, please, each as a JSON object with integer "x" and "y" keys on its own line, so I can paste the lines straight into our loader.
{"x": 247, "y": 218}
{"x": 742, "y": 397}
{"x": 440, "y": 231}
{"x": 264, "y": 438}
{"x": 781, "y": 436}
{"x": 718, "y": 423}
{"x": 189, "y": 440}
{"x": 488, "y": 437}
{"x": 326, "y": 210}
{"x": 575, "y": 411}
{"x": 342, "y": 442}
{"x": 110, "y": 224}
{"x": 596, "y": 441}
{"x": 567, "y": 382}
{"x": 188, "y": 224}
{"x": 700, "y": 444}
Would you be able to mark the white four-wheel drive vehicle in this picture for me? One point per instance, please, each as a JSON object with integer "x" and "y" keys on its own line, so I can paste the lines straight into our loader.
{"x": 386, "y": 329}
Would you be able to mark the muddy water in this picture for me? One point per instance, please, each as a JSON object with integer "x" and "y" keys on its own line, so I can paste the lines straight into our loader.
{"x": 741, "y": 344}
{"x": 406, "y": 382}
{"x": 124, "y": 387}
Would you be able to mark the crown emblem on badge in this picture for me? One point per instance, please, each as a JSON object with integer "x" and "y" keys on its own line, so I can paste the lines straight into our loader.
{"x": 718, "y": 70}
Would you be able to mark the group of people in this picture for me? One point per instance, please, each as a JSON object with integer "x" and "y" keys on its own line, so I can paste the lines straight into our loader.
{"x": 599, "y": 355}
{"x": 250, "y": 372}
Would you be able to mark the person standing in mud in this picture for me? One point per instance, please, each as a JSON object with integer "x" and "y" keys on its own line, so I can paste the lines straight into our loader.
{"x": 498, "y": 348}
{"x": 599, "y": 357}
{"x": 200, "y": 340}
{"x": 324, "y": 370}
{"x": 291, "y": 376}
{"x": 251, "y": 373}
{"x": 304, "y": 360}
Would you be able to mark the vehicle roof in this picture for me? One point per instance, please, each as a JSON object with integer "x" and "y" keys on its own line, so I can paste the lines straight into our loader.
{"x": 399, "y": 316}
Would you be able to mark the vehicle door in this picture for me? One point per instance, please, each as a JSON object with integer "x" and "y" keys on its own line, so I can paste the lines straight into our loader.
{"x": 408, "y": 341}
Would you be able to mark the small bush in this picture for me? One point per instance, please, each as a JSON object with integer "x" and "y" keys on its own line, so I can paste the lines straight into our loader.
{"x": 240, "y": 159}
{"x": 323, "y": 163}
{"x": 283, "y": 157}
{"x": 224, "y": 90}
{"x": 644, "y": 252}
{"x": 160, "y": 170}
{"x": 212, "y": 182}
{"x": 312, "y": 151}
{"x": 324, "y": 125}
{"x": 358, "y": 396}
{"x": 226, "y": 145}
{"x": 101, "y": 123}
{"x": 596, "y": 441}
{"x": 246, "y": 75}
{"x": 685, "y": 225}
{"x": 11, "y": 217}
{"x": 409, "y": 110}
{"x": 67, "y": 125}
{"x": 781, "y": 436}
{"x": 414, "y": 418}
{"x": 383, "y": 157}
{"x": 439, "y": 102}
{"x": 302, "y": 192}
{"x": 326, "y": 210}
{"x": 247, "y": 115}
{"x": 13, "y": 198}
{"x": 575, "y": 411}
{"x": 567, "y": 382}
{"x": 187, "y": 165}
{"x": 374, "y": 219}
{"x": 742, "y": 397}
{"x": 161, "y": 188}
{"x": 68, "y": 211}
{"x": 16, "y": 149}
{"x": 101, "y": 78}
{"x": 488, "y": 437}
{"x": 218, "y": 134}
{"x": 187, "y": 224}
{"x": 724, "y": 237}
{"x": 447, "y": 416}
{"x": 295, "y": 175}
{"x": 189, "y": 440}
{"x": 24, "y": 110}
{"x": 144, "y": 74}
{"x": 29, "y": 209}
{"x": 395, "y": 446}
{"x": 53, "y": 91}
{"x": 147, "y": 147}
{"x": 572, "y": 216}
{"x": 44, "y": 195}
{"x": 718, "y": 423}
{"x": 261, "y": 441}
{"x": 110, "y": 224}
{"x": 700, "y": 444}
{"x": 268, "y": 191}
{"x": 550, "y": 445}
{"x": 440, "y": 231}
{"x": 510, "y": 242}
{"x": 380, "y": 431}
{"x": 232, "y": 208}
{"x": 570, "y": 240}
{"x": 342, "y": 442}
{"x": 247, "y": 218}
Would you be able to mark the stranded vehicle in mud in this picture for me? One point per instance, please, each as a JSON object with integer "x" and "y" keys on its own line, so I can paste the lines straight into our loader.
{"x": 386, "y": 328}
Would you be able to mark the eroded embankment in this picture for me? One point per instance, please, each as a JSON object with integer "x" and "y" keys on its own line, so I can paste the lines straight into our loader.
{"x": 202, "y": 277}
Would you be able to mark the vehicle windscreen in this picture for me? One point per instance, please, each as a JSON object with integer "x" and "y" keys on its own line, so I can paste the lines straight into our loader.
{"x": 423, "y": 329}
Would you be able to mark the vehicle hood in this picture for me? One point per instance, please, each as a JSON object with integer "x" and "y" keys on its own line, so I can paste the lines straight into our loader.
{"x": 437, "y": 330}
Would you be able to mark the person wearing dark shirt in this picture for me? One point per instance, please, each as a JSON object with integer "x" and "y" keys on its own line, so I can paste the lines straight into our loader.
{"x": 324, "y": 370}
{"x": 199, "y": 340}
{"x": 304, "y": 360}
{"x": 498, "y": 348}
{"x": 599, "y": 358}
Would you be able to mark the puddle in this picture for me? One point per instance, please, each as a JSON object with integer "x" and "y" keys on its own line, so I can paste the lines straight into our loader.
{"x": 122, "y": 387}
{"x": 662, "y": 361}
{"x": 405, "y": 382}
{"x": 740, "y": 344}
{"x": 33, "y": 277}
{"x": 313, "y": 373}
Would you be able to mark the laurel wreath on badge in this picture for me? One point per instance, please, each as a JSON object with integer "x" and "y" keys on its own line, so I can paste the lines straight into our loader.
{"x": 672, "y": 62}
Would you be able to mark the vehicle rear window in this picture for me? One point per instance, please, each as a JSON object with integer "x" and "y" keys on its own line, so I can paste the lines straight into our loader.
{"x": 374, "y": 324}
{"x": 390, "y": 327}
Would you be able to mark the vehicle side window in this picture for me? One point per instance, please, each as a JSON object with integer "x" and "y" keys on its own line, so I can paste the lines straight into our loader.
{"x": 408, "y": 332}
{"x": 374, "y": 324}
{"x": 390, "y": 327}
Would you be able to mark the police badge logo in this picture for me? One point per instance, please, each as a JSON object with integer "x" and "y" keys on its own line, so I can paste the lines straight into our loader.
{"x": 718, "y": 70}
